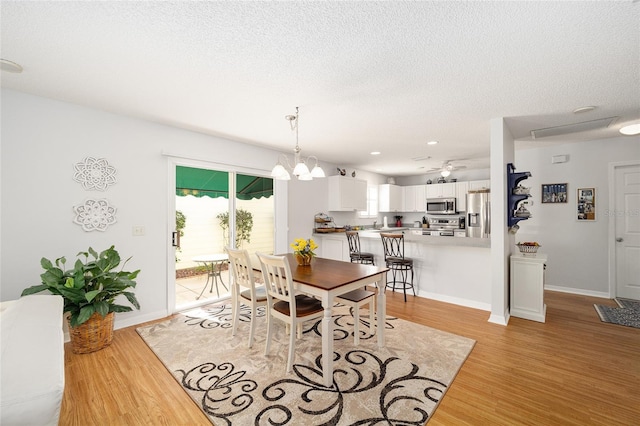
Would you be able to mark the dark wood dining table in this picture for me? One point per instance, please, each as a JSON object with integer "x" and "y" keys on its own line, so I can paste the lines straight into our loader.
{"x": 326, "y": 279}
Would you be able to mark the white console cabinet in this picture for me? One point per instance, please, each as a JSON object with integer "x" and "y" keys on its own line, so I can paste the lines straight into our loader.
{"x": 527, "y": 286}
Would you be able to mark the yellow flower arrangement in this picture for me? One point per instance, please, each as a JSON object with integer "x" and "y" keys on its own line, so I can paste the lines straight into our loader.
{"x": 304, "y": 247}
{"x": 303, "y": 250}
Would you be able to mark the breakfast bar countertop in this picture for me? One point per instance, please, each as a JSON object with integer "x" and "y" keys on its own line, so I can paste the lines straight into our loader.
{"x": 451, "y": 269}
{"x": 415, "y": 235}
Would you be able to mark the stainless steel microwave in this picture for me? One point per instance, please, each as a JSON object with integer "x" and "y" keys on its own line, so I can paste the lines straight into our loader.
{"x": 445, "y": 205}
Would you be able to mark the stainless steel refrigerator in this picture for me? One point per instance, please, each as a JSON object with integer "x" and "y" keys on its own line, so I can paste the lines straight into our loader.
{"x": 478, "y": 213}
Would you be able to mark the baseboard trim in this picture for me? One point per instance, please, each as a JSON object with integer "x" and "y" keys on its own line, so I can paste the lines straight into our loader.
{"x": 128, "y": 322}
{"x": 579, "y": 291}
{"x": 455, "y": 300}
{"x": 499, "y": 319}
{"x": 139, "y": 319}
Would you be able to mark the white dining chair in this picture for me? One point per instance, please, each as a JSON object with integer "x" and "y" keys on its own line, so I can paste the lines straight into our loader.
{"x": 356, "y": 299}
{"x": 284, "y": 302}
{"x": 244, "y": 289}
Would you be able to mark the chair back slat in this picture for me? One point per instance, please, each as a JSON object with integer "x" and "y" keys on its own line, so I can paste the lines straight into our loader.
{"x": 277, "y": 278}
{"x": 241, "y": 268}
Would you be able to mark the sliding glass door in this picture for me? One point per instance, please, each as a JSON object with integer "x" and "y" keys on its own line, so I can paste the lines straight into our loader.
{"x": 209, "y": 219}
{"x": 255, "y": 221}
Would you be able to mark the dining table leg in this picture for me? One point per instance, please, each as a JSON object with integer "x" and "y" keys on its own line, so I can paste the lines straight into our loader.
{"x": 381, "y": 309}
{"x": 327, "y": 342}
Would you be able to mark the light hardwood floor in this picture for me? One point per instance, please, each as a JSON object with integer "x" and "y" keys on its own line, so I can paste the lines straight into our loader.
{"x": 571, "y": 370}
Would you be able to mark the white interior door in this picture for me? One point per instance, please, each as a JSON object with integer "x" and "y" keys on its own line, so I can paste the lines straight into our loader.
{"x": 627, "y": 231}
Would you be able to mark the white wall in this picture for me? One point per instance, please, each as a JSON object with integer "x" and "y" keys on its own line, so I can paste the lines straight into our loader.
{"x": 578, "y": 250}
{"x": 312, "y": 196}
{"x": 41, "y": 141}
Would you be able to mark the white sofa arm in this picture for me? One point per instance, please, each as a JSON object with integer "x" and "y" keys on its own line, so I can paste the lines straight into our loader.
{"x": 31, "y": 360}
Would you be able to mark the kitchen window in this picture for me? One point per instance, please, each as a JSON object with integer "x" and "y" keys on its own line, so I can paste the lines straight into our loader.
{"x": 372, "y": 203}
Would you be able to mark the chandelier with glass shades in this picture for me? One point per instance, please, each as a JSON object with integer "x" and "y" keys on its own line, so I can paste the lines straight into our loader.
{"x": 300, "y": 167}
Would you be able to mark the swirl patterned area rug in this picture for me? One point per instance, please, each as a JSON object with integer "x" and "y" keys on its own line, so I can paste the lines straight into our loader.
{"x": 234, "y": 385}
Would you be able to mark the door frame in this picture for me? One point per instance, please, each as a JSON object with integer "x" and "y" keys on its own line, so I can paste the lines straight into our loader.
{"x": 612, "y": 222}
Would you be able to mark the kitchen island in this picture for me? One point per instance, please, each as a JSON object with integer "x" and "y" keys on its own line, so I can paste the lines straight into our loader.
{"x": 450, "y": 269}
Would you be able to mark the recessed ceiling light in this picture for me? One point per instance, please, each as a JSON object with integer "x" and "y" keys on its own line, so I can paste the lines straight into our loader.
{"x": 375, "y": 152}
{"x": 631, "y": 129}
{"x": 583, "y": 109}
{"x": 432, "y": 143}
{"x": 10, "y": 66}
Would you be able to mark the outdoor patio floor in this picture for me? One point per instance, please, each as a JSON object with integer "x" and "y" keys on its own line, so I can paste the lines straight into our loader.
{"x": 188, "y": 289}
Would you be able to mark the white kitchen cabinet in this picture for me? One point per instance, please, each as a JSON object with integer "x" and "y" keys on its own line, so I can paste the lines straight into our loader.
{"x": 390, "y": 198}
{"x": 479, "y": 184}
{"x": 440, "y": 190}
{"x": 414, "y": 198}
{"x": 527, "y": 286}
{"x": 461, "y": 195}
{"x": 347, "y": 193}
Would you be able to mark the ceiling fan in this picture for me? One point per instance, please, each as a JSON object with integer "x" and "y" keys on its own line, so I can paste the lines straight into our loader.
{"x": 446, "y": 168}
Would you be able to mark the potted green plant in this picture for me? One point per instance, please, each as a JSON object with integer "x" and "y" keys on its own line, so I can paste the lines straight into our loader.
{"x": 89, "y": 291}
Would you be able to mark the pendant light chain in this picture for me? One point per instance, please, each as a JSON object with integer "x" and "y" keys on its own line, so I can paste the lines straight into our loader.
{"x": 297, "y": 120}
{"x": 300, "y": 168}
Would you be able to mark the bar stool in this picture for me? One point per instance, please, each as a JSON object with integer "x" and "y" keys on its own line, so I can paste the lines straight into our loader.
{"x": 354, "y": 249}
{"x": 393, "y": 245}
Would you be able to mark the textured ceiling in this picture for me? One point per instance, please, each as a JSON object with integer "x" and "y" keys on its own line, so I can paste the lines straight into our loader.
{"x": 385, "y": 76}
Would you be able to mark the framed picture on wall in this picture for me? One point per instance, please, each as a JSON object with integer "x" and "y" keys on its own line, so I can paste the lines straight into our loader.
{"x": 586, "y": 204}
{"x": 554, "y": 193}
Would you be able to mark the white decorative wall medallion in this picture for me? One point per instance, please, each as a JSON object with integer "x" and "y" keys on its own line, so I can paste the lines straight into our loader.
{"x": 94, "y": 174}
{"x": 95, "y": 215}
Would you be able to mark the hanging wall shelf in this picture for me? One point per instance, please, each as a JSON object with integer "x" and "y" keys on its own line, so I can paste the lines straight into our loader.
{"x": 513, "y": 179}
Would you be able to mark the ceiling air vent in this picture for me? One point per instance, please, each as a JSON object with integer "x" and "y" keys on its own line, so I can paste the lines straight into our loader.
{"x": 566, "y": 129}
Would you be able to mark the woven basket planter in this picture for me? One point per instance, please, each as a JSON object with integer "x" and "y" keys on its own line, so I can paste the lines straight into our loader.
{"x": 96, "y": 333}
{"x": 303, "y": 259}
